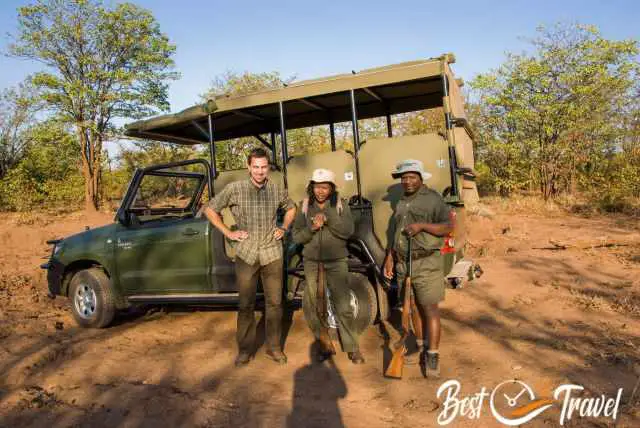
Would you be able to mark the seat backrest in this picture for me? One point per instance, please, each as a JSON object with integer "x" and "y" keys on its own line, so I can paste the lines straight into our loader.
{"x": 378, "y": 158}
{"x": 300, "y": 168}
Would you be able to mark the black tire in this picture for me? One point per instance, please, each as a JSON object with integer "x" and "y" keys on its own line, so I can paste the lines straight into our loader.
{"x": 365, "y": 304}
{"x": 91, "y": 297}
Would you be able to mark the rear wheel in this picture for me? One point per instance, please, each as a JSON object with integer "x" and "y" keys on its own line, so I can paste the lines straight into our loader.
{"x": 363, "y": 303}
{"x": 92, "y": 300}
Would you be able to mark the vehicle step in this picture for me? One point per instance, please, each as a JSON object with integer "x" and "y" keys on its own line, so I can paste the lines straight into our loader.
{"x": 219, "y": 298}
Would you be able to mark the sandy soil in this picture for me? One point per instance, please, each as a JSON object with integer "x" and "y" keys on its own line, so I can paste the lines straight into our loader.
{"x": 541, "y": 314}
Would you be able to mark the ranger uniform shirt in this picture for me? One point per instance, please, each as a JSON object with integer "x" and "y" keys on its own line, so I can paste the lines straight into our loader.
{"x": 328, "y": 243}
{"x": 255, "y": 210}
{"x": 424, "y": 206}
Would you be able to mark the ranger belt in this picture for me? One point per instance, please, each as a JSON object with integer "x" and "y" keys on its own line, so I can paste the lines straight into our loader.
{"x": 417, "y": 254}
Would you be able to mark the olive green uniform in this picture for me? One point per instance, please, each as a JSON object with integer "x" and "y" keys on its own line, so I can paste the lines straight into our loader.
{"x": 329, "y": 246}
{"x": 424, "y": 206}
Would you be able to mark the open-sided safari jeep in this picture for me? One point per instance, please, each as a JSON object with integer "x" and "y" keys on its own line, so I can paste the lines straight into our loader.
{"x": 162, "y": 250}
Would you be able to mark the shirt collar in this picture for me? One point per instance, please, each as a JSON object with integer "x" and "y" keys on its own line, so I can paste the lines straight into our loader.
{"x": 253, "y": 185}
{"x": 423, "y": 190}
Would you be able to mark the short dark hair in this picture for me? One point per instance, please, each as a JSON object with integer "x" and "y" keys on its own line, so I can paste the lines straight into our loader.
{"x": 257, "y": 153}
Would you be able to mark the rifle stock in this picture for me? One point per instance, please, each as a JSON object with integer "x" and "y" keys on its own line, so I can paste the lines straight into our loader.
{"x": 396, "y": 365}
{"x": 410, "y": 316}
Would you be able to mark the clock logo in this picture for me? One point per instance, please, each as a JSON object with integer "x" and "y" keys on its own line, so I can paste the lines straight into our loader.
{"x": 517, "y": 400}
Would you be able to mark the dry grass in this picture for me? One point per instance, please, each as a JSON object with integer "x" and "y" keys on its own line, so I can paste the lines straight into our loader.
{"x": 589, "y": 301}
{"x": 524, "y": 205}
{"x": 628, "y": 304}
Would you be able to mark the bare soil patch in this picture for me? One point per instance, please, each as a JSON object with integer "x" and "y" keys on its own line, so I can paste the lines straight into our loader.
{"x": 559, "y": 303}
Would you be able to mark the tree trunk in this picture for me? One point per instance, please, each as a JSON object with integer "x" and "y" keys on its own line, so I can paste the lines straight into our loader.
{"x": 88, "y": 170}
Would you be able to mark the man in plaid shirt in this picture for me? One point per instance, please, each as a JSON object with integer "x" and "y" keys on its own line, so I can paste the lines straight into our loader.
{"x": 254, "y": 203}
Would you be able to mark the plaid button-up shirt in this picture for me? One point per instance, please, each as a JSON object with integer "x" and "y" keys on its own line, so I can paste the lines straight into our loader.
{"x": 255, "y": 210}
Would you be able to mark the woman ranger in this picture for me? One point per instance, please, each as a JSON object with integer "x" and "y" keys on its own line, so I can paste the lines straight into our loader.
{"x": 323, "y": 225}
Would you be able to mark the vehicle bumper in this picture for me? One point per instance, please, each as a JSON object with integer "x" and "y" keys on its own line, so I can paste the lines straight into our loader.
{"x": 55, "y": 271}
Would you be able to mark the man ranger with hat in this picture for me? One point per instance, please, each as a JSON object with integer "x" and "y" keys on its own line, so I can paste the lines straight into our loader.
{"x": 423, "y": 215}
{"x": 324, "y": 224}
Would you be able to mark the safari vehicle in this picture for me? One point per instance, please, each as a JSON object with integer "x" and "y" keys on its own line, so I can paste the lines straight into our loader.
{"x": 162, "y": 250}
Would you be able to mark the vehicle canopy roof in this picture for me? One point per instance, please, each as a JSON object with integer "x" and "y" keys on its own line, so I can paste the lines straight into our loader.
{"x": 399, "y": 88}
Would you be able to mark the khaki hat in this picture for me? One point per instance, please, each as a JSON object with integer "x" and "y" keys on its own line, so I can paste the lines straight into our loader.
{"x": 410, "y": 165}
{"x": 322, "y": 175}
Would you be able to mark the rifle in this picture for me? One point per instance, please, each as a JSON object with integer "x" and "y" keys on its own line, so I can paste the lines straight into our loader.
{"x": 321, "y": 306}
{"x": 409, "y": 315}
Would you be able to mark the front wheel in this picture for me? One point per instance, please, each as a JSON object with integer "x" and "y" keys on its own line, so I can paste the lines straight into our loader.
{"x": 363, "y": 304}
{"x": 92, "y": 301}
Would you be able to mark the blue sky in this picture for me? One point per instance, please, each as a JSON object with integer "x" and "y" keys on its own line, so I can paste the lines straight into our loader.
{"x": 314, "y": 39}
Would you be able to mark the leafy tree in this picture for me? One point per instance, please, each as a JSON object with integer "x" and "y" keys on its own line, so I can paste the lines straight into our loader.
{"x": 553, "y": 116}
{"x": 48, "y": 175}
{"x": 17, "y": 110}
{"x": 101, "y": 63}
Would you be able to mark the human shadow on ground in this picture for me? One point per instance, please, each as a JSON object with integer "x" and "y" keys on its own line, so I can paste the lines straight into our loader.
{"x": 316, "y": 391}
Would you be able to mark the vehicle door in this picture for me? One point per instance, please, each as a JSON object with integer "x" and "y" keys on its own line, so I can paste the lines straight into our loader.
{"x": 163, "y": 248}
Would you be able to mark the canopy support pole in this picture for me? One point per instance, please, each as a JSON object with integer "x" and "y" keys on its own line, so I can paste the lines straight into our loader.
{"x": 283, "y": 142}
{"x": 332, "y": 135}
{"x": 356, "y": 141}
{"x": 212, "y": 153}
{"x": 453, "y": 164}
{"x": 263, "y": 141}
{"x": 273, "y": 148}
{"x": 389, "y": 128}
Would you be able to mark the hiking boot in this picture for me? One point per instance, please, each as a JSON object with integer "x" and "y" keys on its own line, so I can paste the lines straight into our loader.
{"x": 277, "y": 356}
{"x": 430, "y": 364}
{"x": 242, "y": 359}
{"x": 356, "y": 357}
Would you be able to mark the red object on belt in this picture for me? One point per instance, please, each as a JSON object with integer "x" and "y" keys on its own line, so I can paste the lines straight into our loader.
{"x": 449, "y": 242}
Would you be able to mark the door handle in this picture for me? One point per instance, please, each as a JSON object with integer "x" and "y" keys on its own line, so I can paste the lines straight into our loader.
{"x": 190, "y": 232}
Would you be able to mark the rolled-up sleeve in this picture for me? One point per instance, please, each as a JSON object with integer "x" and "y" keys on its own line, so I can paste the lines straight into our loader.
{"x": 222, "y": 200}
{"x": 442, "y": 211}
{"x": 285, "y": 202}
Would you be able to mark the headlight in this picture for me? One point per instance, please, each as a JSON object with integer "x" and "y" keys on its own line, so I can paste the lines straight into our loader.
{"x": 57, "y": 248}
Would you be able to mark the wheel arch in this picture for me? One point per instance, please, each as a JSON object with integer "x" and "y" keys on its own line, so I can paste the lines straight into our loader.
{"x": 75, "y": 267}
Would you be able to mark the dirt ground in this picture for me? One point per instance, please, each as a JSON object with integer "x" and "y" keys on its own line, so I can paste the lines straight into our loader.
{"x": 559, "y": 303}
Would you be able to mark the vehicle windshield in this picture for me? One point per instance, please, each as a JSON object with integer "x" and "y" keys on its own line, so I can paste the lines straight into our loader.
{"x": 165, "y": 194}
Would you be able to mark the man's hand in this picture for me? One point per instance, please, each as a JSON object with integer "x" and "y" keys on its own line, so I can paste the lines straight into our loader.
{"x": 387, "y": 267}
{"x": 278, "y": 233}
{"x": 238, "y": 235}
{"x": 318, "y": 221}
{"x": 413, "y": 229}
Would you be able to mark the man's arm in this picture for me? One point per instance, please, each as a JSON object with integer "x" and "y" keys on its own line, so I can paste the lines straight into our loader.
{"x": 435, "y": 229}
{"x": 216, "y": 219}
{"x": 212, "y": 212}
{"x": 286, "y": 204}
{"x": 288, "y": 217}
{"x": 388, "y": 264}
{"x": 441, "y": 225}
